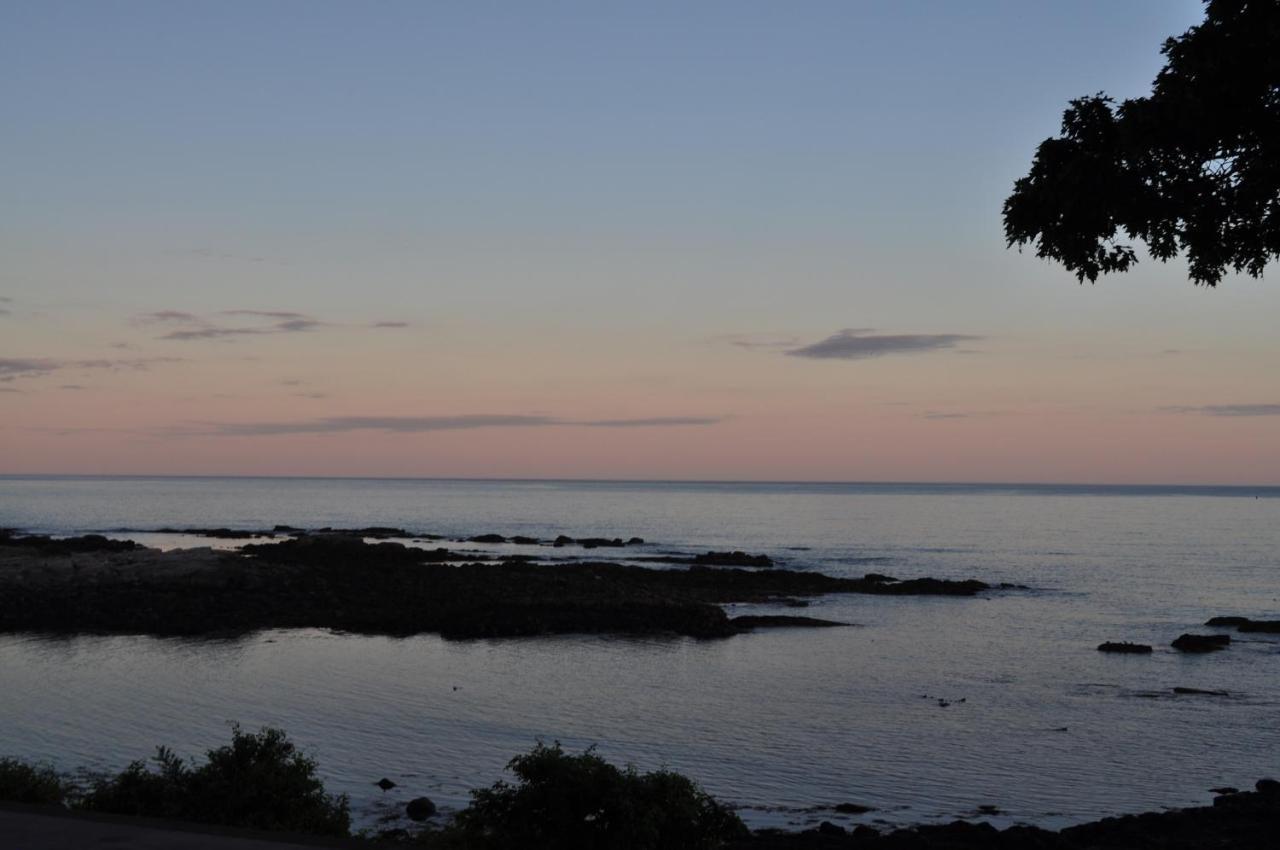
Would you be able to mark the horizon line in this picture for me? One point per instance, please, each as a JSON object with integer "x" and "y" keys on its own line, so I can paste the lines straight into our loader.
{"x": 554, "y": 480}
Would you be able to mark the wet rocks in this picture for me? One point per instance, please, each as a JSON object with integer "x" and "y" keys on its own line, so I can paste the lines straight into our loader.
{"x": 521, "y": 540}
{"x": 487, "y": 538}
{"x": 1201, "y": 643}
{"x": 1226, "y": 621}
{"x": 562, "y": 540}
{"x": 420, "y": 809}
{"x": 1125, "y": 647}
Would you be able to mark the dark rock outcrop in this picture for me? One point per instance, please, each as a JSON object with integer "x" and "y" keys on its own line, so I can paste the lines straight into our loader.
{"x": 732, "y": 559}
{"x": 341, "y": 581}
{"x": 1201, "y": 643}
{"x": 420, "y": 809}
{"x": 1244, "y": 624}
{"x": 1246, "y": 821}
{"x": 1125, "y": 647}
{"x": 65, "y": 545}
{"x": 747, "y": 623}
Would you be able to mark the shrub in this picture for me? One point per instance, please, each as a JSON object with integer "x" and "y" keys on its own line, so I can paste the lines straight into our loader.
{"x": 26, "y": 783}
{"x": 259, "y": 780}
{"x": 580, "y": 802}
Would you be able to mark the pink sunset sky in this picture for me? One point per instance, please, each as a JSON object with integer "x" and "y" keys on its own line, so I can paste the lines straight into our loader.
{"x": 712, "y": 245}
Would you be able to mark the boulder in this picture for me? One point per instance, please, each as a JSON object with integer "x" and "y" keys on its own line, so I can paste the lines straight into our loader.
{"x": 420, "y": 808}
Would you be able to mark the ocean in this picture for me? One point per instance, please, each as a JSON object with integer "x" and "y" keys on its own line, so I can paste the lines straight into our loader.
{"x": 925, "y": 710}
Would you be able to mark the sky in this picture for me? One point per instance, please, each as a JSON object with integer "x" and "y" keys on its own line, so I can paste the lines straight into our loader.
{"x": 714, "y": 240}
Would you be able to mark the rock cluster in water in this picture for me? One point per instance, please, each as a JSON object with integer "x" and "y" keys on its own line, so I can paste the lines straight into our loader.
{"x": 343, "y": 581}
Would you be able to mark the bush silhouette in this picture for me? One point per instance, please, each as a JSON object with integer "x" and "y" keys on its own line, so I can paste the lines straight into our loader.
{"x": 25, "y": 783}
{"x": 582, "y": 802}
{"x": 259, "y": 781}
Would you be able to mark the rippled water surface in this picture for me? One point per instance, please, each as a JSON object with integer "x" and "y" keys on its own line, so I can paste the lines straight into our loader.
{"x": 1036, "y": 722}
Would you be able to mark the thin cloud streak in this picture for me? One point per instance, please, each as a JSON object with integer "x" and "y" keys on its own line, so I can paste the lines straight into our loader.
{"x": 1227, "y": 409}
{"x": 421, "y": 424}
{"x": 30, "y": 367}
{"x": 862, "y": 343}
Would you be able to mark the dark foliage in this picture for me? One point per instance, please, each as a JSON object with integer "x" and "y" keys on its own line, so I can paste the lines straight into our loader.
{"x": 581, "y": 802}
{"x": 26, "y": 783}
{"x": 1193, "y": 167}
{"x": 259, "y": 781}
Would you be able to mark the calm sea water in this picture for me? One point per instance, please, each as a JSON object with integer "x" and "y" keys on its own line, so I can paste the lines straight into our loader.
{"x": 1049, "y": 730}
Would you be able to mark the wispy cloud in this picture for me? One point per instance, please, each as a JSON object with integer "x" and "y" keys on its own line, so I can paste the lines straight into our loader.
{"x": 420, "y": 424}
{"x": 159, "y": 316}
{"x": 216, "y": 332}
{"x": 265, "y": 314}
{"x": 192, "y": 326}
{"x": 651, "y": 422}
{"x": 759, "y": 340}
{"x": 1227, "y": 409}
{"x": 25, "y": 367}
{"x": 861, "y": 343}
{"x": 12, "y": 368}
{"x": 390, "y": 325}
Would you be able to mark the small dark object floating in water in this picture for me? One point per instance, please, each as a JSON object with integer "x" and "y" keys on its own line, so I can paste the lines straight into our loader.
{"x": 1195, "y": 691}
{"x": 385, "y": 784}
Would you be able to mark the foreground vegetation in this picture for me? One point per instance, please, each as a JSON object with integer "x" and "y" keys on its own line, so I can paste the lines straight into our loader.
{"x": 261, "y": 781}
{"x": 563, "y": 801}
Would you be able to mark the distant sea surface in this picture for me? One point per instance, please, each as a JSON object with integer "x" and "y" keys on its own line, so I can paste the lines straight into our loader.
{"x": 1035, "y": 721}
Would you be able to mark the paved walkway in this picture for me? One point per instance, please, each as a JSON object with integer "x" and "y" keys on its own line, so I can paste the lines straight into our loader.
{"x": 30, "y": 828}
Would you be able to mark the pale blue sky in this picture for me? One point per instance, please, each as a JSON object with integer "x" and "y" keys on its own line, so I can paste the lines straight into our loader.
{"x": 581, "y": 211}
{"x": 744, "y": 153}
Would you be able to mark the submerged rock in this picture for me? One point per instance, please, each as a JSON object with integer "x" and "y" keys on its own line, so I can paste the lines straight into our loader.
{"x": 1200, "y": 692}
{"x": 385, "y": 784}
{"x": 487, "y": 538}
{"x": 852, "y": 808}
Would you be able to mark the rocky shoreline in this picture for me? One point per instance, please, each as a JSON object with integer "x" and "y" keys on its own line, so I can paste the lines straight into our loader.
{"x": 342, "y": 581}
{"x": 1236, "y": 821}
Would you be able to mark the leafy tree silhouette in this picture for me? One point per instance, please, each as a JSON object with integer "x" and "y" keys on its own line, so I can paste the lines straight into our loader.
{"x": 1194, "y": 167}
